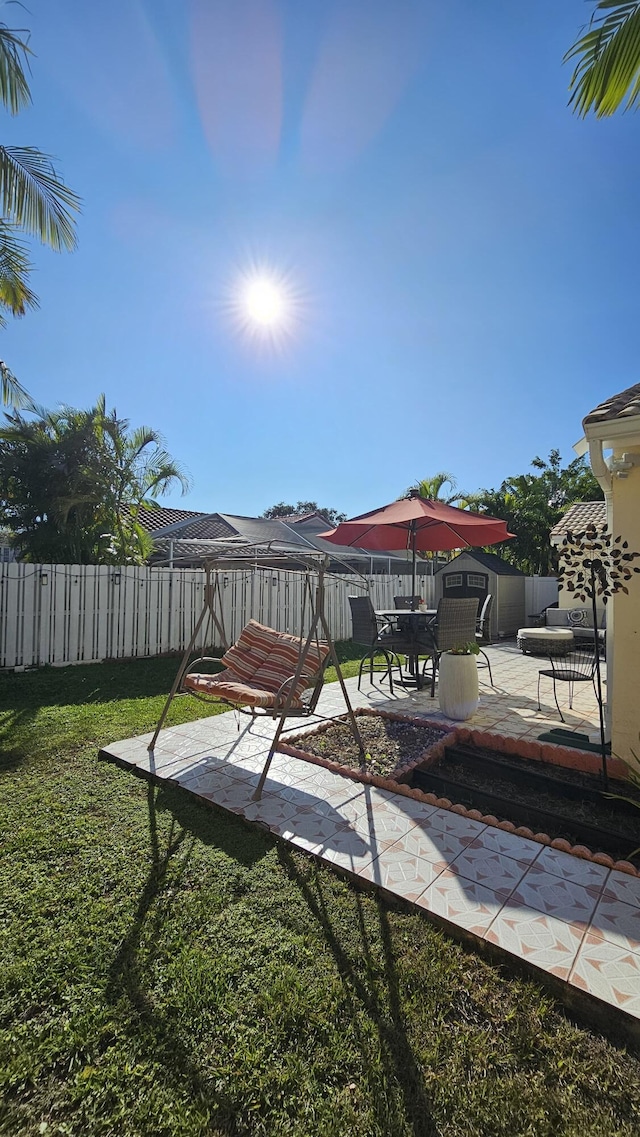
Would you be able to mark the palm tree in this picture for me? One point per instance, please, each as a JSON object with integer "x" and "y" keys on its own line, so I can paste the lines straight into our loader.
{"x": 608, "y": 55}
{"x": 33, "y": 200}
{"x": 73, "y": 484}
{"x": 141, "y": 471}
{"x": 431, "y": 488}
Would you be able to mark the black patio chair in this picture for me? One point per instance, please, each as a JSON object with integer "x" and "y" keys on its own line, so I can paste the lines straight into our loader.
{"x": 577, "y": 667}
{"x": 454, "y": 624}
{"x": 483, "y": 631}
{"x": 379, "y": 639}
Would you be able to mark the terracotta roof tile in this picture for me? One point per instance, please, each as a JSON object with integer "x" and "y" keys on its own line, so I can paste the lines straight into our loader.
{"x": 580, "y": 515}
{"x": 624, "y": 405}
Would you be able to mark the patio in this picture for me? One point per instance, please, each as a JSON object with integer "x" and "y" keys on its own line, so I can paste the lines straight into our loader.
{"x": 573, "y": 922}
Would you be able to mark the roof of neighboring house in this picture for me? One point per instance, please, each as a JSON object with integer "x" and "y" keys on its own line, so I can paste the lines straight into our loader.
{"x": 299, "y": 534}
{"x": 624, "y": 405}
{"x": 161, "y": 516}
{"x": 490, "y": 561}
{"x": 579, "y": 516}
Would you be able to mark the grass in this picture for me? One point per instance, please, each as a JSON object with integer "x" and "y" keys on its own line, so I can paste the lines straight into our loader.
{"x": 165, "y": 970}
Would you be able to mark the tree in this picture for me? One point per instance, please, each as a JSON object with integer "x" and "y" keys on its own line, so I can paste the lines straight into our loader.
{"x": 608, "y": 55}
{"x": 531, "y": 504}
{"x": 74, "y": 483}
{"x": 431, "y": 488}
{"x": 283, "y": 510}
{"x": 33, "y": 200}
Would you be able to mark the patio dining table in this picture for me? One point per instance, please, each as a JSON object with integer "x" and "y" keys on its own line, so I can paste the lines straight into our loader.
{"x": 411, "y": 622}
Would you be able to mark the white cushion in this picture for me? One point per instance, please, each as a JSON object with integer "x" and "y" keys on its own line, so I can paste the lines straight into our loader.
{"x": 546, "y": 633}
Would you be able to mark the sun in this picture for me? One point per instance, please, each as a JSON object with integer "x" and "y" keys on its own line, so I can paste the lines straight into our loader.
{"x": 265, "y": 306}
{"x": 264, "y": 302}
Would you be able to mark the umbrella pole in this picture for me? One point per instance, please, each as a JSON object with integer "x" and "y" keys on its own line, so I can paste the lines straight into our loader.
{"x": 414, "y": 530}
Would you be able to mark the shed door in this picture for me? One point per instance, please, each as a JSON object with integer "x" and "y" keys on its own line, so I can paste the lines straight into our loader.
{"x": 460, "y": 584}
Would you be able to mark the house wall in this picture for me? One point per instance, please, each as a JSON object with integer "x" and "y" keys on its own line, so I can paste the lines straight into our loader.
{"x": 625, "y": 682}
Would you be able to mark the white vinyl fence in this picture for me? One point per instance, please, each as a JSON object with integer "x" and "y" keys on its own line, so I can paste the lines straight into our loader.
{"x": 60, "y": 614}
{"x": 539, "y": 592}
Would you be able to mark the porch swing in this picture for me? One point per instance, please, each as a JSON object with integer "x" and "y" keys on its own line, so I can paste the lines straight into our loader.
{"x": 265, "y": 672}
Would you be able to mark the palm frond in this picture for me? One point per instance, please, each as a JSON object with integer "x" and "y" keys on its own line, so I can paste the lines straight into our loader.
{"x": 13, "y": 393}
{"x": 14, "y": 52}
{"x": 15, "y": 266}
{"x": 33, "y": 196}
{"x": 608, "y": 68}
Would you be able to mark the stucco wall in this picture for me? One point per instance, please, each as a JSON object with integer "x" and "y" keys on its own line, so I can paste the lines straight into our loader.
{"x": 625, "y": 686}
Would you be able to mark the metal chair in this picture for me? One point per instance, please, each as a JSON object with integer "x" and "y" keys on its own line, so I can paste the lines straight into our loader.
{"x": 483, "y": 631}
{"x": 577, "y": 667}
{"x": 377, "y": 637}
{"x": 455, "y": 624}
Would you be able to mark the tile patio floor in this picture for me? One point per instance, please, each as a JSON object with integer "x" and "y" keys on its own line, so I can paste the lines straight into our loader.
{"x": 573, "y": 920}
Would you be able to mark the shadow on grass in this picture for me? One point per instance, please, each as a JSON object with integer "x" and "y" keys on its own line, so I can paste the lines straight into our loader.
{"x": 212, "y": 826}
{"x": 383, "y": 1009}
{"x": 103, "y": 682}
{"x": 88, "y": 684}
{"x": 191, "y": 822}
{"x": 124, "y": 973}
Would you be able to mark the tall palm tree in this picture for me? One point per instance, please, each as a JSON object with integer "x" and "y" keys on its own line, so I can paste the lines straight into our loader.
{"x": 33, "y": 200}
{"x": 608, "y": 55}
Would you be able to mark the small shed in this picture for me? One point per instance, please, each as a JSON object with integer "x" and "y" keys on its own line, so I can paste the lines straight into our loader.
{"x": 474, "y": 573}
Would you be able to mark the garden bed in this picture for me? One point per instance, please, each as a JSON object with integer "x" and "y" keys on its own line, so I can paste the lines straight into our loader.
{"x": 552, "y": 794}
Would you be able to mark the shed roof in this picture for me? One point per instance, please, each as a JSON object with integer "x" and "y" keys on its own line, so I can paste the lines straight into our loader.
{"x": 626, "y": 404}
{"x": 578, "y": 516}
{"x": 490, "y": 561}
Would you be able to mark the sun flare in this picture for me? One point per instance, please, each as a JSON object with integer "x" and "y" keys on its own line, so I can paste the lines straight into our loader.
{"x": 265, "y": 306}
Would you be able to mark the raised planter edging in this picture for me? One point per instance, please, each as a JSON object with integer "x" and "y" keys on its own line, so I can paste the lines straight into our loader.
{"x": 538, "y": 751}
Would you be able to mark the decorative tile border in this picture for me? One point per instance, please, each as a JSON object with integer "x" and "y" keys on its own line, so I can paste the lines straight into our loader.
{"x": 545, "y": 752}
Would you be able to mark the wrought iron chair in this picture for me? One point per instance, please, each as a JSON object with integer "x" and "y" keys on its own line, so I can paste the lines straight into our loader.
{"x": 483, "y": 631}
{"x": 578, "y": 667}
{"x": 377, "y": 637}
{"x": 455, "y": 624}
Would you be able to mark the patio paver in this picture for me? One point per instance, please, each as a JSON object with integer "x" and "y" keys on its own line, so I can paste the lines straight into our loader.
{"x": 567, "y": 918}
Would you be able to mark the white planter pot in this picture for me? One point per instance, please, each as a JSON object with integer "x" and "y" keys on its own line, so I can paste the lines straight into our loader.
{"x": 458, "y": 686}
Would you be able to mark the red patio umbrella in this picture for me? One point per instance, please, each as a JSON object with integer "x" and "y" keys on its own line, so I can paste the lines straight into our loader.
{"x": 420, "y": 525}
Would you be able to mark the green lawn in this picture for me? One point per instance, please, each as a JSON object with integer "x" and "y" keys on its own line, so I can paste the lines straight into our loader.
{"x": 166, "y": 970}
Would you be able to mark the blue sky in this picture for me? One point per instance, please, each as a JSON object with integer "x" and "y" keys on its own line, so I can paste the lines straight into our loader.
{"x": 459, "y": 250}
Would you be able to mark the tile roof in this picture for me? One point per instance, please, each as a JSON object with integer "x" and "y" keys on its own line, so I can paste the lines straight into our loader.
{"x": 624, "y": 405}
{"x": 578, "y": 516}
{"x": 204, "y": 527}
{"x": 161, "y": 516}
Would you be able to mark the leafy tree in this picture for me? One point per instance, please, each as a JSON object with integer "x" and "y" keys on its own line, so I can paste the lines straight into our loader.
{"x": 531, "y": 504}
{"x": 283, "y": 510}
{"x": 74, "y": 483}
{"x": 33, "y": 200}
{"x": 608, "y": 55}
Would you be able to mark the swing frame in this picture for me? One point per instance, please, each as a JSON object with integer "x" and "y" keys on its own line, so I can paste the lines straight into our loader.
{"x": 286, "y": 709}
